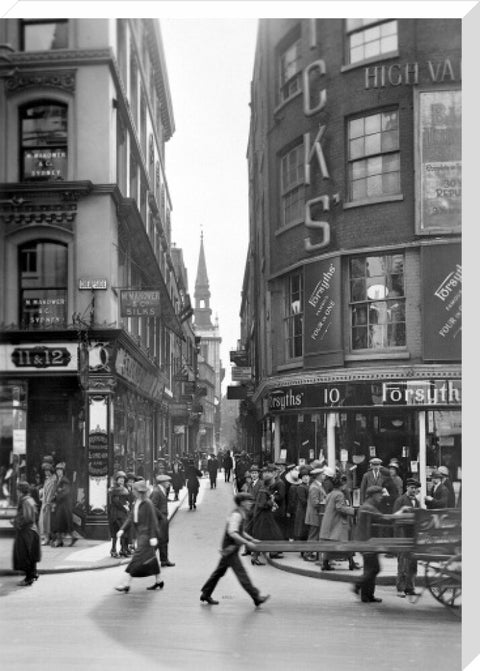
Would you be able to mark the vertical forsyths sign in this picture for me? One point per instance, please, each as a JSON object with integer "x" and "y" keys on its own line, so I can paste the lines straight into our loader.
{"x": 439, "y": 160}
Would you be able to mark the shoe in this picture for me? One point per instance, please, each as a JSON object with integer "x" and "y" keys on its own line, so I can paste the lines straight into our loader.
{"x": 72, "y": 542}
{"x": 24, "y": 583}
{"x": 114, "y": 554}
{"x": 257, "y": 562}
{"x": 356, "y": 589}
{"x": 353, "y": 565}
{"x": 167, "y": 563}
{"x": 401, "y": 595}
{"x": 208, "y": 599}
{"x": 276, "y": 555}
{"x": 195, "y": 506}
{"x": 326, "y": 567}
{"x": 125, "y": 589}
{"x": 261, "y": 599}
{"x": 36, "y": 576}
{"x": 411, "y": 592}
{"x": 372, "y": 600}
{"x": 156, "y": 585}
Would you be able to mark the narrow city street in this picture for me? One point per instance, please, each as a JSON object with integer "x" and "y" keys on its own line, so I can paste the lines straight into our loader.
{"x": 78, "y": 621}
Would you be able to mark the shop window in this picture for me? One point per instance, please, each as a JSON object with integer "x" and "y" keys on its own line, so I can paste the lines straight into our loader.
{"x": 294, "y": 316}
{"x": 43, "y": 140}
{"x": 290, "y": 70}
{"x": 377, "y": 302}
{"x": 292, "y": 186}
{"x": 44, "y": 35}
{"x": 373, "y": 156}
{"x": 43, "y": 268}
{"x": 368, "y": 38}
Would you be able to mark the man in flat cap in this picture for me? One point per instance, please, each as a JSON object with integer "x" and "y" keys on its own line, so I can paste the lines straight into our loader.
{"x": 368, "y": 514}
{"x": 234, "y": 537}
{"x": 159, "y": 498}
{"x": 373, "y": 477}
{"x": 406, "y": 562}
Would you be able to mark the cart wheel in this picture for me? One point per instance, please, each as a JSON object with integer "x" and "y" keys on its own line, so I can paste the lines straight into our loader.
{"x": 444, "y": 581}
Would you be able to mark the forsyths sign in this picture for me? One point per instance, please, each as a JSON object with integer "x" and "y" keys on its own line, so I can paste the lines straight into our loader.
{"x": 140, "y": 303}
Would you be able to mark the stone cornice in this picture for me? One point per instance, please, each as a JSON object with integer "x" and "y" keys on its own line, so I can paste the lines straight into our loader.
{"x": 54, "y": 79}
{"x": 60, "y": 57}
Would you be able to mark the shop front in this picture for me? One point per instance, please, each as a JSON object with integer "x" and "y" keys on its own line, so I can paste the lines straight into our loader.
{"x": 415, "y": 421}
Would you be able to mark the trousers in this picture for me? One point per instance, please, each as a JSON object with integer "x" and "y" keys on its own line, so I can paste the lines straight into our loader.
{"x": 233, "y": 561}
{"x": 371, "y": 568}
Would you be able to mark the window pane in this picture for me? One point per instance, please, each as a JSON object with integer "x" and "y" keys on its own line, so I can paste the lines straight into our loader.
{"x": 388, "y": 44}
{"x": 356, "y": 127}
{"x": 372, "y": 144}
{"x": 357, "y": 148}
{"x": 372, "y": 124}
{"x": 359, "y": 190}
{"x": 45, "y": 36}
{"x": 389, "y": 28}
{"x": 357, "y": 267}
{"x": 44, "y": 125}
{"x": 359, "y": 338}
{"x": 391, "y": 183}
{"x": 44, "y": 308}
{"x": 374, "y": 165}
{"x": 359, "y": 169}
{"x": 358, "y": 292}
{"x": 389, "y": 140}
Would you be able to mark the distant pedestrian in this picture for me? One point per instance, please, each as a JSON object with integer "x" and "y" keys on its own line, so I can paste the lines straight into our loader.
{"x": 47, "y": 496}
{"x": 373, "y": 477}
{"x": 193, "y": 484}
{"x": 212, "y": 467}
{"x": 159, "y": 498}
{"x": 227, "y": 465}
{"x": 394, "y": 469}
{"x": 439, "y": 496}
{"x": 118, "y": 510}
{"x": 446, "y": 482}
{"x": 315, "y": 508}
{"x": 337, "y": 519}
{"x": 177, "y": 475}
{"x": 144, "y": 561}
{"x": 406, "y": 562}
{"x": 263, "y": 524}
{"x": 234, "y": 537}
{"x": 26, "y": 546}
{"x": 300, "y": 528}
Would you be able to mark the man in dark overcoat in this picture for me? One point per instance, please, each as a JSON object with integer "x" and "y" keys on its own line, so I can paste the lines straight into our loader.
{"x": 212, "y": 467}
{"x": 372, "y": 478}
{"x": 159, "y": 499}
{"x": 439, "y": 496}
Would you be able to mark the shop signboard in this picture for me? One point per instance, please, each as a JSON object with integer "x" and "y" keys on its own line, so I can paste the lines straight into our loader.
{"x": 42, "y": 357}
{"x": 442, "y": 302}
{"x": 439, "y": 123}
{"x": 322, "y": 311}
{"x": 241, "y": 373}
{"x": 98, "y": 454}
{"x": 140, "y": 303}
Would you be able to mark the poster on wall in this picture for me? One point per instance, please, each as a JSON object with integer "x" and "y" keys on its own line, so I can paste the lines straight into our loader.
{"x": 439, "y": 122}
{"x": 442, "y": 301}
{"x": 322, "y": 310}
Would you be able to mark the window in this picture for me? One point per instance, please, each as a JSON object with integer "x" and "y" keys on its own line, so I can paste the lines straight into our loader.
{"x": 43, "y": 140}
{"x": 294, "y": 315}
{"x": 374, "y": 159}
{"x": 290, "y": 71}
{"x": 43, "y": 269}
{"x": 377, "y": 302}
{"x": 368, "y": 38}
{"x": 38, "y": 35}
{"x": 292, "y": 176}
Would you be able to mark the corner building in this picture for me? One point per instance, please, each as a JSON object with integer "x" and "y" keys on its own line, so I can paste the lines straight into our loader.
{"x": 354, "y": 269}
{"x": 92, "y": 311}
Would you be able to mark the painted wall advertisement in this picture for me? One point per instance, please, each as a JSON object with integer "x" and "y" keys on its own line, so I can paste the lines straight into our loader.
{"x": 439, "y": 117}
{"x": 442, "y": 301}
{"x": 323, "y": 335}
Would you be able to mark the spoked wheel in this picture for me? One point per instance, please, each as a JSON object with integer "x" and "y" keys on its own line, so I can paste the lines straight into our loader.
{"x": 444, "y": 580}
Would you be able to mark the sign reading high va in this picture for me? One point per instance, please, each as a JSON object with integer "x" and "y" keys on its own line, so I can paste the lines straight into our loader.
{"x": 140, "y": 303}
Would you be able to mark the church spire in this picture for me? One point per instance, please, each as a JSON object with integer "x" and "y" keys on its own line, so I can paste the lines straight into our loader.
{"x": 202, "y": 310}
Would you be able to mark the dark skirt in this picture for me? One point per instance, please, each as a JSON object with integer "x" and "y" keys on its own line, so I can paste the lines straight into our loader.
{"x": 300, "y": 529}
{"x": 265, "y": 528}
{"x": 26, "y": 550}
{"x": 63, "y": 519}
{"x": 144, "y": 562}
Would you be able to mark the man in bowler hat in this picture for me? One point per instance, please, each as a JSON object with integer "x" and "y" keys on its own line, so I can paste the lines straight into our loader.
{"x": 233, "y": 538}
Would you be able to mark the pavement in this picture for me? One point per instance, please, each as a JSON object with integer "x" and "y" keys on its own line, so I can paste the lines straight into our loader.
{"x": 88, "y": 555}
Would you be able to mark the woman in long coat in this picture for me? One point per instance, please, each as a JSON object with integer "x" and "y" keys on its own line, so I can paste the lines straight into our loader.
{"x": 337, "y": 518}
{"x": 300, "y": 529}
{"x": 143, "y": 518}
{"x": 63, "y": 519}
{"x": 117, "y": 514}
{"x": 263, "y": 524}
{"x": 26, "y": 546}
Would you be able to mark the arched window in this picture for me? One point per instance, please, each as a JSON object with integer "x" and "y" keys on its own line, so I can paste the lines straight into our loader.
{"x": 43, "y": 140}
{"x": 43, "y": 279}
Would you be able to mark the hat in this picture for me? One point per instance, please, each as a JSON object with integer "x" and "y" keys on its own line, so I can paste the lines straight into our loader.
{"x": 316, "y": 471}
{"x": 130, "y": 476}
{"x": 412, "y": 482}
{"x": 120, "y": 474}
{"x": 243, "y": 496}
{"x": 253, "y": 468}
{"x": 162, "y": 478}
{"x": 61, "y": 464}
{"x": 140, "y": 486}
{"x": 436, "y": 474}
{"x": 268, "y": 468}
{"x": 328, "y": 472}
{"x": 375, "y": 461}
{"x": 443, "y": 470}
{"x": 317, "y": 463}
{"x": 47, "y": 466}
{"x": 374, "y": 489}
{"x": 48, "y": 459}
{"x": 394, "y": 464}
{"x": 291, "y": 466}
{"x": 304, "y": 470}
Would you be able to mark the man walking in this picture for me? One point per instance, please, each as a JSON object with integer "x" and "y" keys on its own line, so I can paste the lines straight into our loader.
{"x": 234, "y": 537}
{"x": 212, "y": 467}
{"x": 159, "y": 499}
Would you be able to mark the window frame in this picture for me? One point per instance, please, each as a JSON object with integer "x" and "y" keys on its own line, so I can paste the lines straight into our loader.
{"x": 363, "y": 28}
{"x": 32, "y": 22}
{"x": 61, "y": 289}
{"x": 295, "y": 79}
{"x": 369, "y": 157}
{"x": 62, "y": 145}
{"x": 292, "y": 317}
{"x": 296, "y": 186}
{"x": 369, "y": 303}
